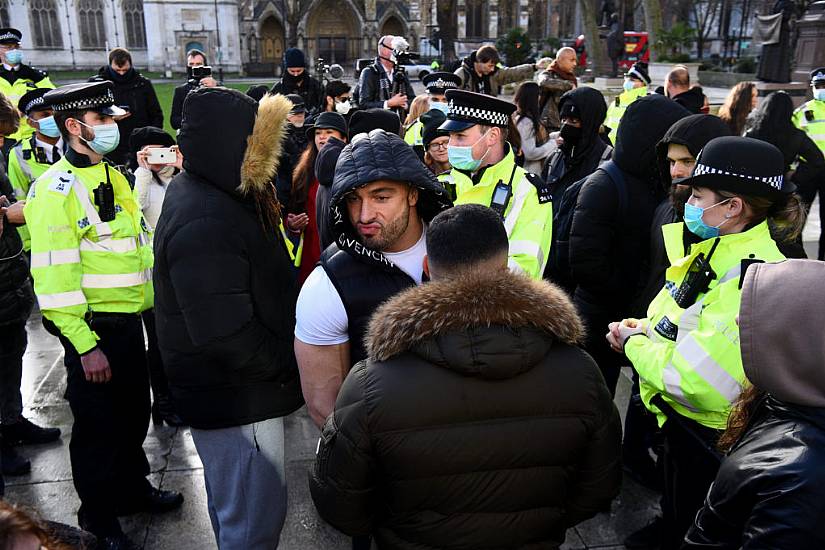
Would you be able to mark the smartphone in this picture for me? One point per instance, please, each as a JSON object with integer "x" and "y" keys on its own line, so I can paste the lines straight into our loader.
{"x": 162, "y": 155}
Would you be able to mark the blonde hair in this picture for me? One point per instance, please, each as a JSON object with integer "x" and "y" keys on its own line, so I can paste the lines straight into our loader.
{"x": 419, "y": 106}
{"x": 9, "y": 117}
{"x": 786, "y": 219}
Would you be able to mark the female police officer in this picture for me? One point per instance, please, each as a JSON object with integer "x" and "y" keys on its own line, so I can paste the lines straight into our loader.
{"x": 687, "y": 350}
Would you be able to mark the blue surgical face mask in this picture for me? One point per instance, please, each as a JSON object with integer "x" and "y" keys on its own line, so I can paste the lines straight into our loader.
{"x": 14, "y": 57}
{"x": 695, "y": 223}
{"x": 462, "y": 157}
{"x": 628, "y": 85}
{"x": 48, "y": 127}
{"x": 106, "y": 140}
{"x": 443, "y": 107}
{"x": 819, "y": 93}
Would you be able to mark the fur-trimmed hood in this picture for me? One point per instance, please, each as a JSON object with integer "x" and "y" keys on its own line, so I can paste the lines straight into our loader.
{"x": 491, "y": 325}
{"x": 232, "y": 141}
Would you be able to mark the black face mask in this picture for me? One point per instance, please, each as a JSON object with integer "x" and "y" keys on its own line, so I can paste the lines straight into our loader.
{"x": 570, "y": 134}
{"x": 293, "y": 79}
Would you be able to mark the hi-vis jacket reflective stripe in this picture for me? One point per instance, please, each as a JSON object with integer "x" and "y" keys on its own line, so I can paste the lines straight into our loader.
{"x": 617, "y": 107}
{"x": 17, "y": 90}
{"x": 80, "y": 263}
{"x": 529, "y": 224}
{"x": 692, "y": 356}
{"x": 415, "y": 134}
{"x": 815, "y": 127}
{"x": 22, "y": 173}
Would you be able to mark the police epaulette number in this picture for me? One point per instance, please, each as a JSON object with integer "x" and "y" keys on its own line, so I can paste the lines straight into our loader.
{"x": 541, "y": 186}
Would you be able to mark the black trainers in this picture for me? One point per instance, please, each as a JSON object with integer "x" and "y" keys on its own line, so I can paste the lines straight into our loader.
{"x": 27, "y": 432}
{"x": 648, "y": 537}
{"x": 155, "y": 501}
{"x": 13, "y": 463}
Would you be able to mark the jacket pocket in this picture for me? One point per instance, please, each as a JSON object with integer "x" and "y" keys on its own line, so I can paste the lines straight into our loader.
{"x": 328, "y": 434}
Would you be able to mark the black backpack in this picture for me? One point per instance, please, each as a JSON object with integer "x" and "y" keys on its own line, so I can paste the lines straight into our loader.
{"x": 558, "y": 264}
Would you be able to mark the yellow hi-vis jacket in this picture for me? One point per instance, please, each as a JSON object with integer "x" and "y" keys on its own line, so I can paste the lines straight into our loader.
{"x": 29, "y": 79}
{"x": 616, "y": 109}
{"x": 810, "y": 118}
{"x": 415, "y": 134}
{"x": 22, "y": 173}
{"x": 81, "y": 264}
{"x": 528, "y": 218}
{"x": 692, "y": 356}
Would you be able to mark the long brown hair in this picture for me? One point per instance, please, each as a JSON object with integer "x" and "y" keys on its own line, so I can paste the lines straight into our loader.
{"x": 737, "y": 106}
{"x": 302, "y": 177}
{"x": 740, "y": 417}
{"x": 15, "y": 523}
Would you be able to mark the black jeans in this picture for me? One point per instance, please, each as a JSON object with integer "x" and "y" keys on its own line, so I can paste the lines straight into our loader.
{"x": 110, "y": 422}
{"x": 13, "y": 343}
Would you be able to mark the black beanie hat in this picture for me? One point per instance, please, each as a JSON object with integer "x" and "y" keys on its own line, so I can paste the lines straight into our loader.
{"x": 364, "y": 122}
{"x": 431, "y": 120}
{"x": 294, "y": 58}
{"x": 149, "y": 135}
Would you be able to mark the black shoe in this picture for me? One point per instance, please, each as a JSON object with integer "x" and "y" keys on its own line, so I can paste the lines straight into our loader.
{"x": 649, "y": 537}
{"x": 163, "y": 411}
{"x": 116, "y": 542}
{"x": 13, "y": 463}
{"x": 25, "y": 431}
{"x": 156, "y": 501}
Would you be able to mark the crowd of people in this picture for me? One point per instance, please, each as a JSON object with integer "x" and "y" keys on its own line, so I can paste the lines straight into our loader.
{"x": 451, "y": 283}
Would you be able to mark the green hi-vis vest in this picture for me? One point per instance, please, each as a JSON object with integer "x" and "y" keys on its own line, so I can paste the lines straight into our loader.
{"x": 22, "y": 172}
{"x": 810, "y": 118}
{"x": 691, "y": 356}
{"x": 79, "y": 263}
{"x": 14, "y": 91}
{"x": 616, "y": 109}
{"x": 528, "y": 221}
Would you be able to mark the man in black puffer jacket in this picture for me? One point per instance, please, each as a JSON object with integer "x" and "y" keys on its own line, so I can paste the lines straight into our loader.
{"x": 225, "y": 309}
{"x": 476, "y": 422}
{"x": 610, "y": 235}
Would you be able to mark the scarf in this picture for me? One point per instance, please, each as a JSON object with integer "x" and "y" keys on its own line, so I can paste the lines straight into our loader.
{"x": 563, "y": 75}
{"x": 383, "y": 81}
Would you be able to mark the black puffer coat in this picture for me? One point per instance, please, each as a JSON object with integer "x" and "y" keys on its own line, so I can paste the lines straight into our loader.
{"x": 477, "y": 423}
{"x": 16, "y": 295}
{"x": 609, "y": 249}
{"x": 224, "y": 290}
{"x": 135, "y": 92}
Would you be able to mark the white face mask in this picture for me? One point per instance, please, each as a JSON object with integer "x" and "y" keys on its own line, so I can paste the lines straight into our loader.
{"x": 343, "y": 107}
{"x": 298, "y": 124}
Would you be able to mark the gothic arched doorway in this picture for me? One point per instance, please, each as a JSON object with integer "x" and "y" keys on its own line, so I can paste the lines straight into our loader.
{"x": 392, "y": 26}
{"x": 272, "y": 41}
{"x": 334, "y": 31}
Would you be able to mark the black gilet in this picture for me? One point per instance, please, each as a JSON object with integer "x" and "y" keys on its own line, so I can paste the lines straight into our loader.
{"x": 362, "y": 288}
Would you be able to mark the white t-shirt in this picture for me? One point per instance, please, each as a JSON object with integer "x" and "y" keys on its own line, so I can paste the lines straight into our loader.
{"x": 320, "y": 317}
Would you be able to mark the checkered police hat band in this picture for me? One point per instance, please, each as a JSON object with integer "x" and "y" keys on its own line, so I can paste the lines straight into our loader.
{"x": 34, "y": 103}
{"x": 9, "y": 36}
{"x": 474, "y": 114}
{"x": 773, "y": 181}
{"x": 819, "y": 76}
{"x": 442, "y": 84}
{"x": 102, "y": 100}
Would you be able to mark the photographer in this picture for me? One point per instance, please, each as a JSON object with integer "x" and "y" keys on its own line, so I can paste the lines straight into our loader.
{"x": 377, "y": 81}
{"x": 195, "y": 79}
{"x": 296, "y": 80}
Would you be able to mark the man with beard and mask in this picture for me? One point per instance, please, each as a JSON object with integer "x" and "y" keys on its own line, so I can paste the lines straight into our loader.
{"x": 338, "y": 98}
{"x": 480, "y": 71}
{"x": 609, "y": 250}
{"x": 375, "y": 85}
{"x": 295, "y": 143}
{"x": 484, "y": 171}
{"x": 17, "y": 78}
{"x": 91, "y": 260}
{"x": 135, "y": 94}
{"x": 381, "y": 200}
{"x": 555, "y": 81}
{"x": 296, "y": 80}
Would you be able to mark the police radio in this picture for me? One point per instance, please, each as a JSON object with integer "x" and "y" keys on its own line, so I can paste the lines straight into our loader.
{"x": 697, "y": 280}
{"x": 105, "y": 198}
{"x": 501, "y": 198}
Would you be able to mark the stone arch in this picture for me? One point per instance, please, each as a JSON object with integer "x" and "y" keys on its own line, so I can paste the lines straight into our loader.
{"x": 271, "y": 39}
{"x": 394, "y": 25}
{"x": 333, "y": 30}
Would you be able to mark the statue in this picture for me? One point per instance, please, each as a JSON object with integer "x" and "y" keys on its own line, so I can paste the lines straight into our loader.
{"x": 776, "y": 32}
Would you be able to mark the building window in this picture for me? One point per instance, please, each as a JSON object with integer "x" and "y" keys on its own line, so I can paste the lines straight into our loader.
{"x": 476, "y": 27}
{"x": 44, "y": 22}
{"x": 92, "y": 28}
{"x": 134, "y": 24}
{"x": 4, "y": 13}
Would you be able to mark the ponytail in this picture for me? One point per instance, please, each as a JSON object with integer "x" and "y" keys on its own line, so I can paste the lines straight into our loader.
{"x": 786, "y": 218}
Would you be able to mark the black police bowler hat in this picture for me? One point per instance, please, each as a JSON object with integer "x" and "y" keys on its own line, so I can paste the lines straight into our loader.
{"x": 818, "y": 75}
{"x": 9, "y": 35}
{"x": 741, "y": 165}
{"x": 328, "y": 120}
{"x": 33, "y": 101}
{"x": 85, "y": 96}
{"x": 469, "y": 108}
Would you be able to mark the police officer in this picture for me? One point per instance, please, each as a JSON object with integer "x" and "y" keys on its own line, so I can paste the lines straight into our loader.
{"x": 16, "y": 78}
{"x": 33, "y": 156}
{"x": 484, "y": 171}
{"x": 92, "y": 269}
{"x": 686, "y": 351}
{"x": 810, "y": 117}
{"x": 437, "y": 85}
{"x": 636, "y": 81}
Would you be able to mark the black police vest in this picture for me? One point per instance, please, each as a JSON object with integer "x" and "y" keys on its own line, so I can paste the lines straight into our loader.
{"x": 362, "y": 288}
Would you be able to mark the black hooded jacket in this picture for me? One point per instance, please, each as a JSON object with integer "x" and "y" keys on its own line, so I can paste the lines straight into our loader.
{"x": 609, "y": 249}
{"x": 305, "y": 86}
{"x": 134, "y": 92}
{"x": 693, "y": 100}
{"x": 16, "y": 295}
{"x": 693, "y": 132}
{"x": 581, "y": 160}
{"x": 364, "y": 278}
{"x": 224, "y": 290}
{"x": 325, "y": 174}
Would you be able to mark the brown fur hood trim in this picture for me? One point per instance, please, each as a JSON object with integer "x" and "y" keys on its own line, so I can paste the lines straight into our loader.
{"x": 263, "y": 146}
{"x": 476, "y": 300}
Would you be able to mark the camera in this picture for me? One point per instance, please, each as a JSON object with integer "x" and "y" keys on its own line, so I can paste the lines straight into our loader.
{"x": 328, "y": 72}
{"x": 401, "y": 52}
{"x": 196, "y": 74}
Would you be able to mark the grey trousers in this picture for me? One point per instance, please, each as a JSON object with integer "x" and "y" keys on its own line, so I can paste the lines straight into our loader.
{"x": 245, "y": 483}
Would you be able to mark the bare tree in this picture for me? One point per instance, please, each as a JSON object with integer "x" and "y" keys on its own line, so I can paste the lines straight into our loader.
{"x": 653, "y": 24}
{"x": 596, "y": 48}
{"x": 704, "y": 16}
{"x": 446, "y": 15}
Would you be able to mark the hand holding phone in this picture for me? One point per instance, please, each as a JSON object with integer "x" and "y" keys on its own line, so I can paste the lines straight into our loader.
{"x": 162, "y": 155}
